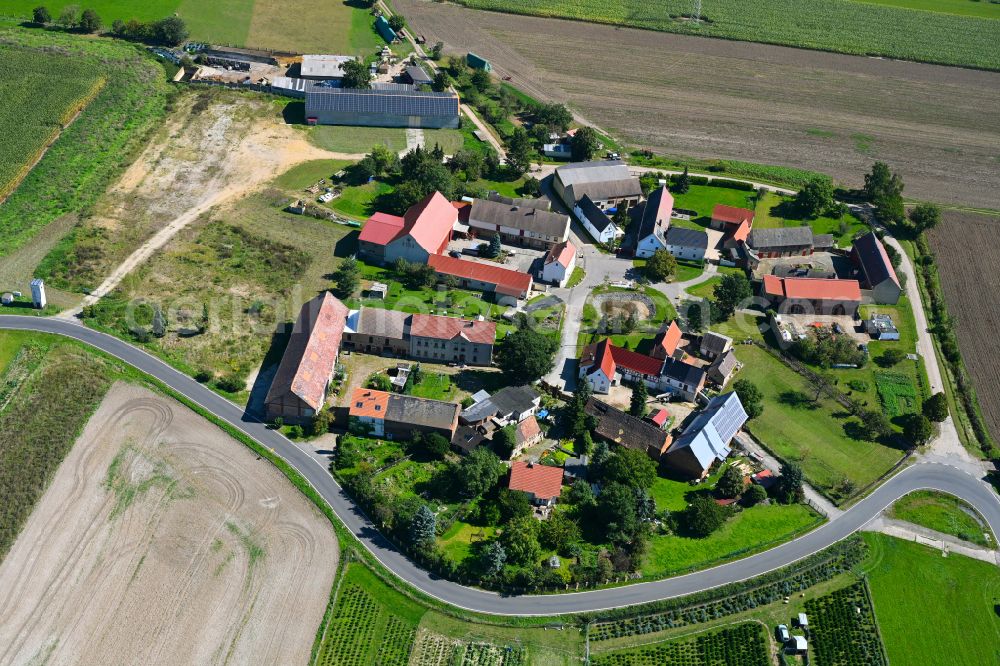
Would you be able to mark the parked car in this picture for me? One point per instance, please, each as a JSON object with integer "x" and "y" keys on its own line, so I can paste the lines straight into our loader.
{"x": 455, "y": 253}
{"x": 782, "y": 633}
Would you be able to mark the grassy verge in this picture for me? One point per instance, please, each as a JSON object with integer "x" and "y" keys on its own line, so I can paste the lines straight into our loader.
{"x": 933, "y": 610}
{"x": 944, "y": 513}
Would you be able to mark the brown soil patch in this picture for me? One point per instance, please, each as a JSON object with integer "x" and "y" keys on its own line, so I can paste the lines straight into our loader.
{"x": 162, "y": 540}
{"x": 775, "y": 105}
{"x": 965, "y": 246}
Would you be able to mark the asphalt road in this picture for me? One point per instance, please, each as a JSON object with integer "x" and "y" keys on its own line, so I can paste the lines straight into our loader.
{"x": 918, "y": 476}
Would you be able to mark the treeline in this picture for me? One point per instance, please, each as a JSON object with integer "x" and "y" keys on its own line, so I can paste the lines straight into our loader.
{"x": 169, "y": 31}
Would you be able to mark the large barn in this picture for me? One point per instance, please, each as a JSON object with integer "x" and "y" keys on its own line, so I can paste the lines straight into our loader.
{"x": 384, "y": 105}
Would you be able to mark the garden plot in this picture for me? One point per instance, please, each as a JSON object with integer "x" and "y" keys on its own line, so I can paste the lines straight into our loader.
{"x": 740, "y": 645}
{"x": 843, "y": 629}
{"x": 175, "y": 546}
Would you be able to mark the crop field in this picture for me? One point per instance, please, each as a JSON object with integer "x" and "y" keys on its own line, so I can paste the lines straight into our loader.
{"x": 294, "y": 25}
{"x": 741, "y": 645}
{"x": 896, "y": 392}
{"x": 951, "y": 600}
{"x": 46, "y": 93}
{"x": 944, "y": 513}
{"x": 969, "y": 280}
{"x": 33, "y": 442}
{"x": 843, "y": 629}
{"x": 832, "y": 25}
{"x": 690, "y": 97}
{"x": 180, "y": 546}
{"x": 373, "y": 623}
{"x": 88, "y": 154}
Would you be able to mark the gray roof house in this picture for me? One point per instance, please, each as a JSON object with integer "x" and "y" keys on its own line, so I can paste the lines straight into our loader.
{"x": 706, "y": 440}
{"x": 384, "y": 106}
{"x": 713, "y": 344}
{"x": 595, "y": 220}
{"x": 519, "y": 224}
{"x": 723, "y": 367}
{"x": 511, "y": 404}
{"x": 323, "y": 67}
{"x": 417, "y": 76}
{"x": 606, "y": 182}
{"x": 654, "y": 220}
{"x": 686, "y": 243}
{"x": 876, "y": 269}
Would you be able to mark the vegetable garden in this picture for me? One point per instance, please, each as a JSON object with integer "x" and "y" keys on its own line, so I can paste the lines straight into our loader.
{"x": 897, "y": 393}
{"x": 843, "y": 630}
{"x": 741, "y": 645}
{"x": 830, "y": 25}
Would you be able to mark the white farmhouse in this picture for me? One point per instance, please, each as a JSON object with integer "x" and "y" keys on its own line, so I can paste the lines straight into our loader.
{"x": 596, "y": 221}
{"x": 559, "y": 264}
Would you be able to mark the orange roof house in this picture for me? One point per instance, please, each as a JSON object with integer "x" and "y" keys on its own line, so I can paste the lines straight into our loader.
{"x": 486, "y": 277}
{"x": 369, "y": 403}
{"x": 450, "y": 328}
{"x": 298, "y": 390}
{"x": 736, "y": 222}
{"x": 400, "y": 416}
{"x": 542, "y": 483}
{"x": 423, "y": 230}
{"x": 666, "y": 341}
{"x": 811, "y": 295}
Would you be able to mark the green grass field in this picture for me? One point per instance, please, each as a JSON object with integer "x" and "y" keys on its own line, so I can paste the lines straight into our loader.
{"x": 360, "y": 140}
{"x": 943, "y": 513}
{"x": 960, "y": 7}
{"x": 293, "y": 25}
{"x": 750, "y": 530}
{"x": 933, "y": 610}
{"x": 894, "y": 28}
{"x": 813, "y": 434}
{"x": 768, "y": 215}
{"x": 703, "y": 198}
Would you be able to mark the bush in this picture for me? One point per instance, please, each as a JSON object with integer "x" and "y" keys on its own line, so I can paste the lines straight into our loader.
{"x": 231, "y": 383}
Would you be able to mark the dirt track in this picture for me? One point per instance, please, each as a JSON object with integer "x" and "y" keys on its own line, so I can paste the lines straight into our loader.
{"x": 164, "y": 541}
{"x": 715, "y": 98}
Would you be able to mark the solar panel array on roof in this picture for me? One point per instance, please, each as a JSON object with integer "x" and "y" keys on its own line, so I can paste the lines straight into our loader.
{"x": 392, "y": 102}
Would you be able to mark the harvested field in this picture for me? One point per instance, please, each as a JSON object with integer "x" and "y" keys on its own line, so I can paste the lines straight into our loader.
{"x": 702, "y": 97}
{"x": 964, "y": 246}
{"x": 174, "y": 546}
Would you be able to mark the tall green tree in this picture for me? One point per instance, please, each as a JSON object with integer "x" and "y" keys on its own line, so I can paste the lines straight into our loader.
{"x": 918, "y": 429}
{"x": 788, "y": 488}
{"x": 704, "y": 516}
{"x": 171, "y": 31}
{"x": 69, "y": 16}
{"x": 660, "y": 266}
{"x": 815, "y": 197}
{"x": 936, "y": 407}
{"x": 504, "y": 442}
{"x": 731, "y": 482}
{"x": 629, "y": 467}
{"x": 40, "y": 15}
{"x": 924, "y": 217}
{"x": 526, "y": 355}
{"x": 640, "y": 395}
{"x": 520, "y": 540}
{"x": 494, "y": 248}
{"x": 347, "y": 277}
{"x": 423, "y": 526}
{"x": 356, "y": 74}
{"x": 884, "y": 189}
{"x": 683, "y": 183}
{"x": 519, "y": 152}
{"x": 479, "y": 472}
{"x": 584, "y": 144}
{"x": 750, "y": 397}
{"x": 729, "y": 294}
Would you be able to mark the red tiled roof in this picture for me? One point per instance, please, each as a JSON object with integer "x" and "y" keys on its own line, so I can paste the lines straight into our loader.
{"x": 732, "y": 215}
{"x": 812, "y": 289}
{"x": 369, "y": 402}
{"x": 608, "y": 357}
{"x": 528, "y": 430}
{"x": 311, "y": 354}
{"x": 507, "y": 281}
{"x": 668, "y": 340}
{"x": 562, "y": 252}
{"x": 448, "y": 328}
{"x": 659, "y": 417}
{"x": 542, "y": 481}
{"x": 430, "y": 222}
{"x": 742, "y": 231}
{"x": 381, "y": 228}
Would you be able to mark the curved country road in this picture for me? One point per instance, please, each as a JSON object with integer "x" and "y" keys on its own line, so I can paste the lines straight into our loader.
{"x": 918, "y": 476}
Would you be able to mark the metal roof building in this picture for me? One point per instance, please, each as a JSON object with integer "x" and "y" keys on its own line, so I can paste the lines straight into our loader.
{"x": 323, "y": 67}
{"x": 380, "y": 107}
{"x": 707, "y": 439}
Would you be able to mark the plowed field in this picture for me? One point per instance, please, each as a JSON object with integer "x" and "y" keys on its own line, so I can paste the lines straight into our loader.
{"x": 716, "y": 98}
{"x": 163, "y": 541}
{"x": 965, "y": 246}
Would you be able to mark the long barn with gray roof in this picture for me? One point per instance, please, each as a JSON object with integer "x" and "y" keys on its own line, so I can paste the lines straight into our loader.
{"x": 383, "y": 106}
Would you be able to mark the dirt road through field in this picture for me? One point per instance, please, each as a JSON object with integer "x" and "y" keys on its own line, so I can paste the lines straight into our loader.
{"x": 164, "y": 541}
{"x": 716, "y": 98}
{"x": 204, "y": 159}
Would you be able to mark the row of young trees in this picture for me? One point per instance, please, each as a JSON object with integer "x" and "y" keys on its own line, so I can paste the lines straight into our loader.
{"x": 170, "y": 31}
